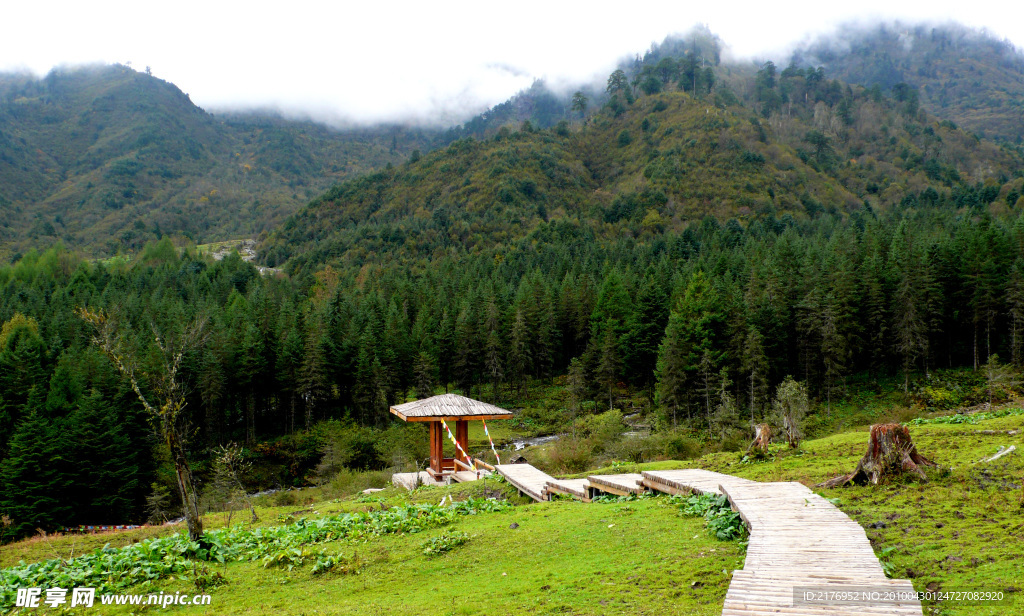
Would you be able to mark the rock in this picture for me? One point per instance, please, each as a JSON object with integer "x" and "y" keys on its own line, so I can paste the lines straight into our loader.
{"x": 513, "y": 525}
{"x": 372, "y": 490}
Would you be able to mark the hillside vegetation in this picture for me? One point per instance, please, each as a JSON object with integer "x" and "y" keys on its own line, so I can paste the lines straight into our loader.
{"x": 107, "y": 158}
{"x": 664, "y": 161}
{"x": 961, "y": 74}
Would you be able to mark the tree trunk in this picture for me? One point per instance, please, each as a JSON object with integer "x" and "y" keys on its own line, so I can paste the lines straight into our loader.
{"x": 185, "y": 485}
{"x": 890, "y": 452}
{"x": 762, "y": 436}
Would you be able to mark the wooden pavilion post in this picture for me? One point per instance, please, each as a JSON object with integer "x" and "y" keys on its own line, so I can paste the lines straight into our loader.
{"x": 462, "y": 436}
{"x": 436, "y": 448}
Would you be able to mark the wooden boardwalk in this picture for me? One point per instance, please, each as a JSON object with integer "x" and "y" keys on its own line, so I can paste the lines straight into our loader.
{"x": 531, "y": 481}
{"x": 690, "y": 480}
{"x": 619, "y": 485}
{"x": 799, "y": 542}
{"x": 576, "y": 488}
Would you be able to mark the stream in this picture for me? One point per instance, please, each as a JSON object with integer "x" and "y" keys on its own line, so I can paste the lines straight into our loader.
{"x": 520, "y": 444}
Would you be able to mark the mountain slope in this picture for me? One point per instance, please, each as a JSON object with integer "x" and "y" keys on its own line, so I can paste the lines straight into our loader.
{"x": 106, "y": 158}
{"x": 961, "y": 74}
{"x": 665, "y": 161}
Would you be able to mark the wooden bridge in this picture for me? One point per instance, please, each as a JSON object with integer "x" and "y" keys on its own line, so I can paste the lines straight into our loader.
{"x": 800, "y": 545}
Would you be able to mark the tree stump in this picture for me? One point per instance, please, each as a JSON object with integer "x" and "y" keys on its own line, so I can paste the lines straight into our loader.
{"x": 890, "y": 452}
{"x": 762, "y": 436}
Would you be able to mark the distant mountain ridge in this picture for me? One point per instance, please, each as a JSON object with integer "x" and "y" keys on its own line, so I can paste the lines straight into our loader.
{"x": 961, "y": 74}
{"x": 798, "y": 144}
{"x": 107, "y": 158}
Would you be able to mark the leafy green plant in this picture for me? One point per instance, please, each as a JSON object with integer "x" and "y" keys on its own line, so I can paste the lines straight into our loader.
{"x": 204, "y": 579}
{"x": 887, "y": 566}
{"x": 336, "y": 564}
{"x": 961, "y": 418}
{"x": 110, "y": 570}
{"x": 289, "y": 557}
{"x": 444, "y": 543}
{"x": 723, "y": 522}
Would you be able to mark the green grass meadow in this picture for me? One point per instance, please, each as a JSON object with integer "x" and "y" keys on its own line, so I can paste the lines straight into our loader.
{"x": 962, "y": 530}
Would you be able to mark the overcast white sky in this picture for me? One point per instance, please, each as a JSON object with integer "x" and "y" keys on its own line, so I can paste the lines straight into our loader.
{"x": 372, "y": 61}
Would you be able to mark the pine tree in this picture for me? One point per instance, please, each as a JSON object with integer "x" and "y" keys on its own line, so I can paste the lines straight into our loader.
{"x": 999, "y": 378}
{"x": 577, "y": 389}
{"x": 833, "y": 348}
{"x": 645, "y": 330}
{"x": 690, "y": 339}
{"x": 755, "y": 366}
{"x": 22, "y": 353}
{"x": 519, "y": 359}
{"x": 610, "y": 363}
{"x": 909, "y": 316}
{"x": 107, "y": 474}
{"x": 493, "y": 347}
{"x": 1015, "y": 303}
{"x": 34, "y": 479}
{"x": 726, "y": 418}
{"x": 789, "y": 407}
{"x": 426, "y": 375}
{"x": 671, "y": 368}
{"x": 313, "y": 384}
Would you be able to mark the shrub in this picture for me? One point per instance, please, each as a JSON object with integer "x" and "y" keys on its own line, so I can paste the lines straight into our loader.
{"x": 678, "y": 446}
{"x": 635, "y": 449}
{"x": 347, "y": 482}
{"x": 285, "y": 498}
{"x": 603, "y": 430}
{"x": 570, "y": 455}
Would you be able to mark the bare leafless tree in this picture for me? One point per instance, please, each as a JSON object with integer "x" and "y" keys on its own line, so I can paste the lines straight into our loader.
{"x": 165, "y": 395}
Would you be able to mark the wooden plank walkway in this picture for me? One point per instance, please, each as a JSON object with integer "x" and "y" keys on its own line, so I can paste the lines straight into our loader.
{"x": 530, "y": 481}
{"x": 619, "y": 485}
{"x": 576, "y": 488}
{"x": 798, "y": 541}
{"x": 690, "y": 480}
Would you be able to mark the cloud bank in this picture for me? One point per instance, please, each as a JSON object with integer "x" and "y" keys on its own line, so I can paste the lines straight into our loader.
{"x": 436, "y": 63}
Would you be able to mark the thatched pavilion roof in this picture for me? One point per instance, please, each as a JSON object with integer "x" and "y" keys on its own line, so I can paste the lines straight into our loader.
{"x": 448, "y": 406}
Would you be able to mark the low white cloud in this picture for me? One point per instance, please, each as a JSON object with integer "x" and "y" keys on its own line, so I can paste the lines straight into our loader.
{"x": 388, "y": 61}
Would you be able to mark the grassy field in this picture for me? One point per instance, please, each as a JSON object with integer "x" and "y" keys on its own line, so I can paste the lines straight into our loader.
{"x": 963, "y": 530}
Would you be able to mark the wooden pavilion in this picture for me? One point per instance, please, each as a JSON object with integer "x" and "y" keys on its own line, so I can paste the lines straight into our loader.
{"x": 446, "y": 408}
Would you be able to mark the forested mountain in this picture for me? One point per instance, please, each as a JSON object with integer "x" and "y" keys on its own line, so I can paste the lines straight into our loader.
{"x": 962, "y": 74}
{"x": 802, "y": 144}
{"x": 107, "y": 158}
{"x": 543, "y": 106}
